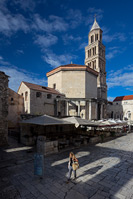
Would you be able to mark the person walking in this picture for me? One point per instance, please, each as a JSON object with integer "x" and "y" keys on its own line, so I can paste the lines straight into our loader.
{"x": 71, "y": 165}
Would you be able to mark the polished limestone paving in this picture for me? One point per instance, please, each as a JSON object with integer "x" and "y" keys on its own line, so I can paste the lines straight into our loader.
{"x": 106, "y": 172}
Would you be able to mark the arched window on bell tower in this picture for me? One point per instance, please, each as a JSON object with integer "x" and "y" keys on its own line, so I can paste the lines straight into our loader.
{"x": 96, "y": 37}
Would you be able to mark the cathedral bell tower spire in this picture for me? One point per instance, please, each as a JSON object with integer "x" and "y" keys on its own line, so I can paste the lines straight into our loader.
{"x": 95, "y": 58}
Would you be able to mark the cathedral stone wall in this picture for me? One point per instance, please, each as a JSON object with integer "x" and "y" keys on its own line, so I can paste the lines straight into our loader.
{"x": 90, "y": 86}
{"x": 73, "y": 84}
{"x": 57, "y": 81}
{"x": 43, "y": 105}
{"x": 3, "y": 108}
{"x": 15, "y": 108}
{"x": 40, "y": 103}
{"x": 25, "y": 92}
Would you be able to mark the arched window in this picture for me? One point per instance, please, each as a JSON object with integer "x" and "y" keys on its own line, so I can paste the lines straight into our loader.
{"x": 88, "y": 53}
{"x": 26, "y": 96}
{"x": 95, "y": 50}
{"x": 96, "y": 37}
{"x": 92, "y": 38}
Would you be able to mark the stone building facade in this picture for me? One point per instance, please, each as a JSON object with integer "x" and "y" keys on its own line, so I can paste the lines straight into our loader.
{"x": 121, "y": 107}
{"x": 95, "y": 59}
{"x": 79, "y": 84}
{"x": 73, "y": 89}
{"x": 40, "y": 100}
{"x": 15, "y": 109}
{"x": 84, "y": 85}
{"x": 3, "y": 108}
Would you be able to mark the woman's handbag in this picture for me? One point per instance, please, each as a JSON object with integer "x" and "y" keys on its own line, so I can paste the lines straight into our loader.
{"x": 75, "y": 165}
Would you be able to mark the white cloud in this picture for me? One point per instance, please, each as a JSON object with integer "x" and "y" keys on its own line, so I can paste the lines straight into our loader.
{"x": 116, "y": 36}
{"x": 18, "y": 75}
{"x": 129, "y": 67}
{"x": 54, "y": 23}
{"x": 129, "y": 89}
{"x": 20, "y": 51}
{"x": 58, "y": 23}
{"x": 114, "y": 51}
{"x": 57, "y": 60}
{"x": 25, "y": 4}
{"x": 111, "y": 98}
{"x": 82, "y": 45}
{"x": 46, "y": 41}
{"x": 3, "y": 63}
{"x": 69, "y": 38}
{"x": 75, "y": 17}
{"x": 122, "y": 78}
{"x": 10, "y": 24}
{"x": 92, "y": 12}
{"x": 112, "y": 54}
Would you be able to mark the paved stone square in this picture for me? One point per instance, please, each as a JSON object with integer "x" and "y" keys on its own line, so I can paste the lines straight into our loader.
{"x": 106, "y": 171}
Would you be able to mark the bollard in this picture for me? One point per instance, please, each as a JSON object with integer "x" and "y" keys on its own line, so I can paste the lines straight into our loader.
{"x": 39, "y": 157}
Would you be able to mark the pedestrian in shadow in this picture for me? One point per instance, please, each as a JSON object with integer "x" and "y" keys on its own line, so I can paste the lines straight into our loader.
{"x": 72, "y": 166}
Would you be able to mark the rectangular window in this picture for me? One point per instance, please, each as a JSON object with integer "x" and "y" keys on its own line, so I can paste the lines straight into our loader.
{"x": 54, "y": 86}
{"x": 38, "y": 94}
{"x": 49, "y": 96}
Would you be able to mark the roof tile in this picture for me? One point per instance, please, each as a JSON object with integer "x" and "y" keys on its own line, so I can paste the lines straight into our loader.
{"x": 42, "y": 88}
{"x": 121, "y": 98}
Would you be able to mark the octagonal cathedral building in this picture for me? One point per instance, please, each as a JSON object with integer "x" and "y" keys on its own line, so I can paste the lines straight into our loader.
{"x": 84, "y": 86}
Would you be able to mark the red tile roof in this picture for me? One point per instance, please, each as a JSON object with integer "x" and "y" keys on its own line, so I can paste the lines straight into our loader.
{"x": 41, "y": 88}
{"x": 72, "y": 67}
{"x": 121, "y": 98}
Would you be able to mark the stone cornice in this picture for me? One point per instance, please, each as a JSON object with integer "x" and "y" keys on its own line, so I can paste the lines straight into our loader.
{"x": 72, "y": 67}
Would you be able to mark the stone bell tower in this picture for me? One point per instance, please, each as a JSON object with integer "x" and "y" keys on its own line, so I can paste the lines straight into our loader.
{"x": 95, "y": 59}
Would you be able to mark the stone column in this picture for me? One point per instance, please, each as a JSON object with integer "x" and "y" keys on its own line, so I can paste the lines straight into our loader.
{"x": 78, "y": 108}
{"x": 101, "y": 115}
{"x": 90, "y": 110}
{"x": 67, "y": 109}
{"x": 96, "y": 114}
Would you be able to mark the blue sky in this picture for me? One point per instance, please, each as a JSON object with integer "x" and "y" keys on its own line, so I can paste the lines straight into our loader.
{"x": 39, "y": 35}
